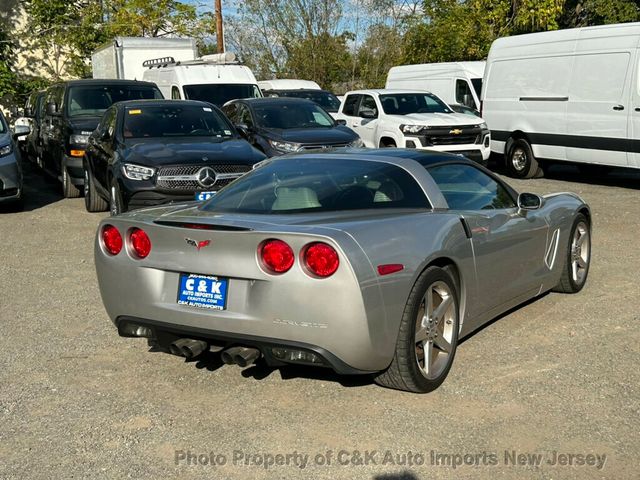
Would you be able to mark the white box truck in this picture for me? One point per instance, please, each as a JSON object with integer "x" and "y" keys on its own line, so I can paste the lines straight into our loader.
{"x": 122, "y": 58}
{"x": 214, "y": 78}
{"x": 568, "y": 95}
{"x": 457, "y": 83}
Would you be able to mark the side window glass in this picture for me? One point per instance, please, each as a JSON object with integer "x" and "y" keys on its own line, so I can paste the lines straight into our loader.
{"x": 463, "y": 94}
{"x": 111, "y": 123}
{"x": 368, "y": 108}
{"x": 350, "y": 104}
{"x": 175, "y": 93}
{"x": 231, "y": 111}
{"x": 467, "y": 188}
{"x": 245, "y": 116}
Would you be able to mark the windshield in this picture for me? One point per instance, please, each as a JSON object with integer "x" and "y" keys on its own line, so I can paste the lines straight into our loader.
{"x": 407, "y": 103}
{"x": 3, "y": 124}
{"x": 285, "y": 116}
{"x": 221, "y": 93}
{"x": 93, "y": 100}
{"x": 326, "y": 100}
{"x": 297, "y": 185}
{"x": 174, "y": 121}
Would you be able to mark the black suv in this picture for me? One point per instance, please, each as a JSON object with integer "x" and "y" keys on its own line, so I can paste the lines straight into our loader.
{"x": 151, "y": 152}
{"x": 73, "y": 110}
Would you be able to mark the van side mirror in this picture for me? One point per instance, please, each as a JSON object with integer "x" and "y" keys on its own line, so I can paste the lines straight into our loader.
{"x": 243, "y": 129}
{"x": 529, "y": 201}
{"x": 340, "y": 121}
{"x": 52, "y": 108}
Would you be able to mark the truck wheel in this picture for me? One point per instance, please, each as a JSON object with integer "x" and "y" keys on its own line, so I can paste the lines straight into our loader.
{"x": 428, "y": 335}
{"x": 116, "y": 203}
{"x": 69, "y": 190}
{"x": 92, "y": 201}
{"x": 520, "y": 161}
{"x": 387, "y": 143}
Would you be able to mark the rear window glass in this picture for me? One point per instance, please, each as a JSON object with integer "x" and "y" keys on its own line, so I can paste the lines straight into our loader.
{"x": 297, "y": 185}
{"x": 93, "y": 100}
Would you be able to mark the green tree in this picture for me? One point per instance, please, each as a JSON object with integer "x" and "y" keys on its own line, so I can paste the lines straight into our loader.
{"x": 464, "y": 29}
{"x": 581, "y": 13}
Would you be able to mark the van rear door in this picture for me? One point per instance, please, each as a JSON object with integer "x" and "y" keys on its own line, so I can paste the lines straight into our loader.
{"x": 633, "y": 157}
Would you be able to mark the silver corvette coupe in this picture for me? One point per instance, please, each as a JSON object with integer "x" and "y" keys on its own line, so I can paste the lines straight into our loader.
{"x": 364, "y": 261}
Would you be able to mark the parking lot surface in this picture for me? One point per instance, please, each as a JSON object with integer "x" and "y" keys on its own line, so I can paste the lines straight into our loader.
{"x": 551, "y": 382}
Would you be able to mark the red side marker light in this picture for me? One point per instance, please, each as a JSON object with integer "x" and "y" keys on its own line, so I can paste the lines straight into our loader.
{"x": 390, "y": 268}
{"x": 111, "y": 239}
{"x": 140, "y": 242}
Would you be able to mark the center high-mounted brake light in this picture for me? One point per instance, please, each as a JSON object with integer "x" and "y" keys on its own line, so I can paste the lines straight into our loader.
{"x": 140, "y": 243}
{"x": 111, "y": 239}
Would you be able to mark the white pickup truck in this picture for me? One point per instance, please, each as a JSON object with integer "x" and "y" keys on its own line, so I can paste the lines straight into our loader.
{"x": 411, "y": 119}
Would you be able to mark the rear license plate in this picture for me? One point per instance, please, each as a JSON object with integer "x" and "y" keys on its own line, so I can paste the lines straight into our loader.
{"x": 203, "y": 291}
{"x": 202, "y": 196}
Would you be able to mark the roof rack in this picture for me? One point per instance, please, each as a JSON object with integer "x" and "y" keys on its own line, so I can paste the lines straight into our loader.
{"x": 158, "y": 61}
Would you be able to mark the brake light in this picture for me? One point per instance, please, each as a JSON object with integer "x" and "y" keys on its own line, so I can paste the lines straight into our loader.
{"x": 276, "y": 256}
{"x": 111, "y": 239}
{"x": 321, "y": 259}
{"x": 140, "y": 243}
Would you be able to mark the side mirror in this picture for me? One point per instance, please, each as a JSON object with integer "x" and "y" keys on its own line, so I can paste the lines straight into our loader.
{"x": 529, "y": 201}
{"x": 341, "y": 122}
{"x": 14, "y": 111}
{"x": 20, "y": 131}
{"x": 368, "y": 113}
{"x": 104, "y": 136}
{"x": 243, "y": 129}
{"x": 52, "y": 108}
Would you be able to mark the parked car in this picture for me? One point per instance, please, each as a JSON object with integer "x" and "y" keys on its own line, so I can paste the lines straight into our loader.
{"x": 454, "y": 82}
{"x": 571, "y": 96}
{"x": 212, "y": 78}
{"x": 10, "y": 167}
{"x": 406, "y": 118}
{"x": 73, "y": 110}
{"x": 25, "y": 119}
{"x": 152, "y": 152}
{"x": 301, "y": 89}
{"x": 284, "y": 125}
{"x": 363, "y": 262}
{"x": 35, "y": 111}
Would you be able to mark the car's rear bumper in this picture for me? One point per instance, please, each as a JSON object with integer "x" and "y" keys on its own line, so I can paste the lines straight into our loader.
{"x": 165, "y": 333}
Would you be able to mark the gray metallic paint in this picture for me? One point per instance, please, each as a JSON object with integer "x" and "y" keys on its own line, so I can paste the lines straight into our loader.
{"x": 355, "y": 314}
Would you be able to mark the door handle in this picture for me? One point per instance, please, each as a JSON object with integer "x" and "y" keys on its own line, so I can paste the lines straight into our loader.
{"x": 619, "y": 107}
{"x": 637, "y": 109}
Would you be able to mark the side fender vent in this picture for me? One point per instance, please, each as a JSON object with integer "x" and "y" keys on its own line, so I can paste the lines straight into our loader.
{"x": 550, "y": 257}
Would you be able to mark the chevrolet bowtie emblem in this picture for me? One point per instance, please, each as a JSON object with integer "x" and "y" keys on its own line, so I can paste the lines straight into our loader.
{"x": 455, "y": 131}
{"x": 196, "y": 244}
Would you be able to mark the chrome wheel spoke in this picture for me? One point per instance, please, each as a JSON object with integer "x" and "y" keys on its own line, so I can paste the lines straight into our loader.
{"x": 421, "y": 335}
{"x": 581, "y": 262}
{"x": 428, "y": 356}
{"x": 439, "y": 313}
{"x": 442, "y": 343}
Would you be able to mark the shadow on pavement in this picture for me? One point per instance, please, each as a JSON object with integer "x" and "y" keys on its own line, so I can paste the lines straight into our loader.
{"x": 397, "y": 476}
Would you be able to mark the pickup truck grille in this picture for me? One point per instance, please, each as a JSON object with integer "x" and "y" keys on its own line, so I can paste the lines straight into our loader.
{"x": 451, "y": 135}
{"x": 185, "y": 177}
{"x": 453, "y": 140}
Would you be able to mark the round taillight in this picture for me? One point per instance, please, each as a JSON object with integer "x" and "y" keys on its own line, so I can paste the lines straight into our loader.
{"x": 140, "y": 242}
{"x": 321, "y": 259}
{"x": 111, "y": 239}
{"x": 276, "y": 256}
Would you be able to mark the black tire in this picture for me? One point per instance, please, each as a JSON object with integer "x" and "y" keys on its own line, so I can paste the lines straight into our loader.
{"x": 93, "y": 202}
{"x": 387, "y": 143}
{"x": 520, "y": 161}
{"x": 69, "y": 190}
{"x": 117, "y": 205}
{"x": 569, "y": 282}
{"x": 405, "y": 373}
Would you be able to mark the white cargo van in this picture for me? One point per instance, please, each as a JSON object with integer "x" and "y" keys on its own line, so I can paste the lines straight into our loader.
{"x": 122, "y": 58}
{"x": 457, "y": 83}
{"x": 213, "y": 78}
{"x": 568, "y": 95}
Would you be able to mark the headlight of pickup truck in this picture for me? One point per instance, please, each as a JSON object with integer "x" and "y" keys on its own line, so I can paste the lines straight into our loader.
{"x": 412, "y": 128}
{"x": 483, "y": 126}
{"x": 285, "y": 146}
{"x": 137, "y": 172}
{"x": 5, "y": 150}
{"x": 78, "y": 139}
